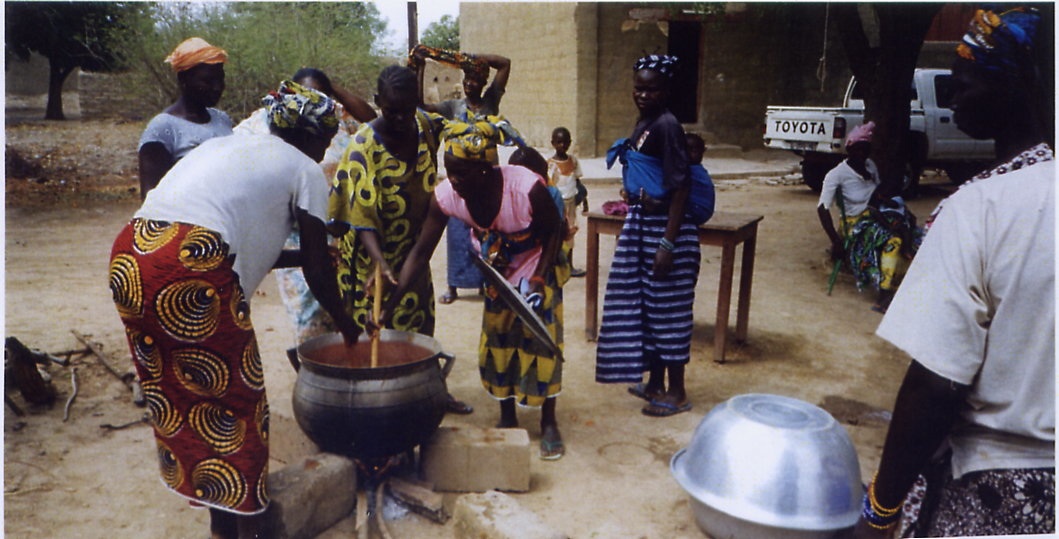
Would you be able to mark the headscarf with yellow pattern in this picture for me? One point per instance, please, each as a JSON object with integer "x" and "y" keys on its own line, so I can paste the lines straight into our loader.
{"x": 471, "y": 65}
{"x": 294, "y": 106}
{"x": 476, "y": 141}
{"x": 1001, "y": 42}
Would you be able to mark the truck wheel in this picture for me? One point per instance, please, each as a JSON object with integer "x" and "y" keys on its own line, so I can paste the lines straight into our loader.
{"x": 813, "y": 174}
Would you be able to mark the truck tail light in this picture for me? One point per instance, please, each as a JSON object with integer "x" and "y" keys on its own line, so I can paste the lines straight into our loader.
{"x": 839, "y": 131}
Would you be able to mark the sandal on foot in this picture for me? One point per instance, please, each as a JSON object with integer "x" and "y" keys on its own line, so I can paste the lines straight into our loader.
{"x": 664, "y": 409}
{"x": 552, "y": 449}
{"x": 640, "y": 391}
{"x": 447, "y": 298}
{"x": 577, "y": 272}
{"x": 457, "y": 407}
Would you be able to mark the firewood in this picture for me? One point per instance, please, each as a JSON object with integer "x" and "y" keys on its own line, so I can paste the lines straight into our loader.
{"x": 141, "y": 421}
{"x": 25, "y": 374}
{"x": 73, "y": 394}
{"x": 129, "y": 379}
{"x": 418, "y": 499}
{"x": 98, "y": 352}
{"x": 14, "y": 407}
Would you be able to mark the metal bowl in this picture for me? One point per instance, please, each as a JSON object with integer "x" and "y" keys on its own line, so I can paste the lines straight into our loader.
{"x": 770, "y": 466}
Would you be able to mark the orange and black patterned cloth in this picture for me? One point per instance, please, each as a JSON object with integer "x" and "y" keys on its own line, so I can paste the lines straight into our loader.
{"x": 195, "y": 352}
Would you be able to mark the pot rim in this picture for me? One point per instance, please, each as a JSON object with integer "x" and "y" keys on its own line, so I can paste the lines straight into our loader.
{"x": 386, "y": 335}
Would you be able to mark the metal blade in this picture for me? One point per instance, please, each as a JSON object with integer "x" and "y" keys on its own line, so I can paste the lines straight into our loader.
{"x": 518, "y": 304}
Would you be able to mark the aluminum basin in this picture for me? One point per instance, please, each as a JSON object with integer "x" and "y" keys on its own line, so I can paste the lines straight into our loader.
{"x": 773, "y": 462}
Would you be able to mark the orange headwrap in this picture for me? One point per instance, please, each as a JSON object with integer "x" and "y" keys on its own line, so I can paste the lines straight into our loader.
{"x": 194, "y": 51}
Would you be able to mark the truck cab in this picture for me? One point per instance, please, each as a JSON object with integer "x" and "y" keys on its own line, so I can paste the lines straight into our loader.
{"x": 818, "y": 134}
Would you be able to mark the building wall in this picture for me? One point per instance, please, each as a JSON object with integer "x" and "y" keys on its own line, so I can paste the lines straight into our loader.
{"x": 621, "y": 42}
{"x": 549, "y": 44}
{"x": 575, "y": 68}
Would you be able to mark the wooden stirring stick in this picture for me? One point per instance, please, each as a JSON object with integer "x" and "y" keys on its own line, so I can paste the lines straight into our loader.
{"x": 376, "y": 312}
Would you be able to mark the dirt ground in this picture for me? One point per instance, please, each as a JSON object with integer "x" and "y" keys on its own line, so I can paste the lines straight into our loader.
{"x": 73, "y": 187}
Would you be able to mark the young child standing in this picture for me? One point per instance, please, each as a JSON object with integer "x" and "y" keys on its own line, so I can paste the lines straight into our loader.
{"x": 564, "y": 172}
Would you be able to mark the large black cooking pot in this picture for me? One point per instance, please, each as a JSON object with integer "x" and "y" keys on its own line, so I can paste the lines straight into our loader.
{"x": 348, "y": 407}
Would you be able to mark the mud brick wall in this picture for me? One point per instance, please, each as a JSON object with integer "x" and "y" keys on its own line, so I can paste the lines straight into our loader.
{"x": 571, "y": 65}
{"x": 618, "y": 50}
{"x": 549, "y": 45}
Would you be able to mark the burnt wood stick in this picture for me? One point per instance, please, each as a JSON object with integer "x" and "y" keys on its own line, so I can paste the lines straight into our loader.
{"x": 94, "y": 347}
{"x": 73, "y": 394}
{"x": 129, "y": 379}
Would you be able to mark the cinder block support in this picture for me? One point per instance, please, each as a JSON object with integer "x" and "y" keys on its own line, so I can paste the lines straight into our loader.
{"x": 311, "y": 495}
{"x": 495, "y": 515}
{"x": 470, "y": 459}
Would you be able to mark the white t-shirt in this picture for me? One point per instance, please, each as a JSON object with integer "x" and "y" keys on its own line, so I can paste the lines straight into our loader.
{"x": 856, "y": 191}
{"x": 246, "y": 188}
{"x": 564, "y": 175}
{"x": 978, "y": 307}
{"x": 179, "y": 136}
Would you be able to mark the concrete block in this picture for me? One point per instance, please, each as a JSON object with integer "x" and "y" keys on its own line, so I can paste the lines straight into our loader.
{"x": 495, "y": 515}
{"x": 311, "y": 495}
{"x": 470, "y": 459}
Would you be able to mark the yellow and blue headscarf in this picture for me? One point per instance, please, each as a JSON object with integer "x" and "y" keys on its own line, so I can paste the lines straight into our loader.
{"x": 294, "y": 106}
{"x": 476, "y": 141}
{"x": 1001, "y": 43}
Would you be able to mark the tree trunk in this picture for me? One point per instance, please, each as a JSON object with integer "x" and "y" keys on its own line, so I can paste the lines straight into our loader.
{"x": 56, "y": 77}
{"x": 902, "y": 28}
{"x": 882, "y": 42}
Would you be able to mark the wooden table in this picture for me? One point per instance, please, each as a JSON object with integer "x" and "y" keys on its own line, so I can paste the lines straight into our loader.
{"x": 724, "y": 230}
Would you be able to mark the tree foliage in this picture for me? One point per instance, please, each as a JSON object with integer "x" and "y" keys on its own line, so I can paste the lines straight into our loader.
{"x": 266, "y": 43}
{"x": 70, "y": 35}
{"x": 443, "y": 34}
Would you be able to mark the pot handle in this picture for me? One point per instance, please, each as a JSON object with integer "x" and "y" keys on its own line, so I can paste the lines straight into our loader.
{"x": 292, "y": 356}
{"x": 446, "y": 367}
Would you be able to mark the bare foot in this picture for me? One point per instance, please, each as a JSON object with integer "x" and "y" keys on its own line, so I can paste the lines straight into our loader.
{"x": 552, "y": 446}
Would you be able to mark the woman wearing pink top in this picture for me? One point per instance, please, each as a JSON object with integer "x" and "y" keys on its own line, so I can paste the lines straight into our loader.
{"x": 516, "y": 226}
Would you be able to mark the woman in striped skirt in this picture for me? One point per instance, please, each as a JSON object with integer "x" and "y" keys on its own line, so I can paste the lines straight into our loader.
{"x": 647, "y": 309}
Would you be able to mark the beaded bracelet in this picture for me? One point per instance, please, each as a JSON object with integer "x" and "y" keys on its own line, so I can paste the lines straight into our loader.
{"x": 875, "y": 505}
{"x": 877, "y": 516}
{"x": 665, "y": 244}
{"x": 875, "y": 520}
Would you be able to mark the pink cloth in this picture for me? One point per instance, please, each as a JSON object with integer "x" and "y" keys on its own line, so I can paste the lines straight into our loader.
{"x": 615, "y": 207}
{"x": 861, "y": 133}
{"x": 515, "y": 215}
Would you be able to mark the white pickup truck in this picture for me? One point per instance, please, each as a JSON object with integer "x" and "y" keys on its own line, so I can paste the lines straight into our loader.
{"x": 818, "y": 134}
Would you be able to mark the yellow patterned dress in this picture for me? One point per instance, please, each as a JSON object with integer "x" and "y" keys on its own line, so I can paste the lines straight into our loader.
{"x": 188, "y": 326}
{"x": 374, "y": 190}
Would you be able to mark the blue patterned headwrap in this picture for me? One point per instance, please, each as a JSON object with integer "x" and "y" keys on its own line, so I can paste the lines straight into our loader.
{"x": 662, "y": 63}
{"x": 1001, "y": 43}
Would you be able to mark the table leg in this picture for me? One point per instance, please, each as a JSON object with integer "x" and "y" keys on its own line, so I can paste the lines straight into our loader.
{"x": 591, "y": 281}
{"x": 746, "y": 277}
{"x": 724, "y": 302}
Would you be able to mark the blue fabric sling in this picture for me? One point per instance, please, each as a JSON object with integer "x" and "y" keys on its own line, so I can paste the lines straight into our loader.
{"x": 642, "y": 171}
